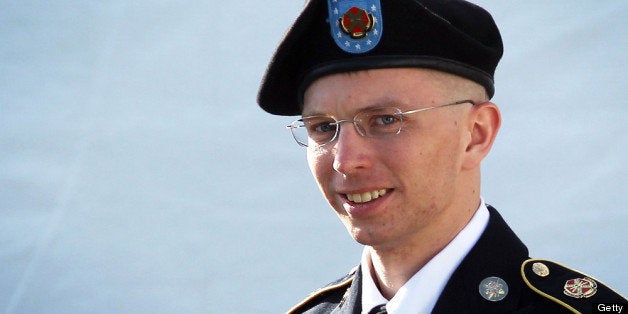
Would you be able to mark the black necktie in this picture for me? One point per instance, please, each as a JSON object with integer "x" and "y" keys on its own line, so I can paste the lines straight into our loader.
{"x": 380, "y": 309}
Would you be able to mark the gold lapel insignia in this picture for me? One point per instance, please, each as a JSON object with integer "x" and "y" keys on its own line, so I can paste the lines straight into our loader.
{"x": 540, "y": 269}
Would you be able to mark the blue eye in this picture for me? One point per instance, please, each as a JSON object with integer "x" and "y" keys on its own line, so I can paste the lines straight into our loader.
{"x": 325, "y": 127}
{"x": 386, "y": 119}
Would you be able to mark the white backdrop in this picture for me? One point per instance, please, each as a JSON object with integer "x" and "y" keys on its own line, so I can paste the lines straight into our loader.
{"x": 137, "y": 174}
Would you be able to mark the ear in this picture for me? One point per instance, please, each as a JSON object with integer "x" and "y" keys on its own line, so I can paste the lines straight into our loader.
{"x": 483, "y": 125}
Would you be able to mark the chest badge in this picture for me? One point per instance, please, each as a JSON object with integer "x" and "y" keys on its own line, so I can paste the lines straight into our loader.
{"x": 356, "y": 25}
{"x": 580, "y": 287}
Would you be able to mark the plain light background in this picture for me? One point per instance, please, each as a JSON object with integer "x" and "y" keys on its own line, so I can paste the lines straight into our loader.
{"x": 138, "y": 175}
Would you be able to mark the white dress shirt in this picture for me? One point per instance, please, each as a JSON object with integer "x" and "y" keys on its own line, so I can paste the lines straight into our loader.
{"x": 420, "y": 293}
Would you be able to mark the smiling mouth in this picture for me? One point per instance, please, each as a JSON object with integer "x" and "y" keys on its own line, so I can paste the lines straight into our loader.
{"x": 365, "y": 197}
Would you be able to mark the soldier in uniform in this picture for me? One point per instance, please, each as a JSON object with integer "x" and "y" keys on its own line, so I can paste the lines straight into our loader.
{"x": 394, "y": 99}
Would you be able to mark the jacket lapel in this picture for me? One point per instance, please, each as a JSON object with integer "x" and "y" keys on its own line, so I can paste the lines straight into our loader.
{"x": 498, "y": 253}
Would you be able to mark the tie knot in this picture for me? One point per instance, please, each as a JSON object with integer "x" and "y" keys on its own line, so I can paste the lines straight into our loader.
{"x": 380, "y": 309}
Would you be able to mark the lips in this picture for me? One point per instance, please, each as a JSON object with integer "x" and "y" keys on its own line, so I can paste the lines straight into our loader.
{"x": 366, "y": 196}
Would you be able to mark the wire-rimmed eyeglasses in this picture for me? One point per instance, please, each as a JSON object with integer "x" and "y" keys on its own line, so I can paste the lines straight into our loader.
{"x": 373, "y": 122}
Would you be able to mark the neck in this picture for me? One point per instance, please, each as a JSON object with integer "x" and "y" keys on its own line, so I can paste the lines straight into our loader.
{"x": 394, "y": 265}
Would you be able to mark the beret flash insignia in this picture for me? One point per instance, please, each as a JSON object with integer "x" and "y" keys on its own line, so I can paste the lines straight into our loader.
{"x": 356, "y": 25}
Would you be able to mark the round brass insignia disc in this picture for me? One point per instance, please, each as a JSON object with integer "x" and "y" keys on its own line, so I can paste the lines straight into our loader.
{"x": 493, "y": 289}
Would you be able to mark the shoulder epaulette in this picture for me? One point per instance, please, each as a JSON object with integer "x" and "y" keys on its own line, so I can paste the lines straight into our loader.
{"x": 571, "y": 289}
{"x": 331, "y": 287}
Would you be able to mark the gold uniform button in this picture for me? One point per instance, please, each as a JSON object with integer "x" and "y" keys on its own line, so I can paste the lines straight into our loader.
{"x": 540, "y": 269}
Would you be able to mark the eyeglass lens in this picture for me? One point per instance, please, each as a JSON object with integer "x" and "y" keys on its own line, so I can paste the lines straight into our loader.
{"x": 320, "y": 130}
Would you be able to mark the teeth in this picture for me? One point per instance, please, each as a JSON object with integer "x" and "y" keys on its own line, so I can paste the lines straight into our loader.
{"x": 366, "y": 197}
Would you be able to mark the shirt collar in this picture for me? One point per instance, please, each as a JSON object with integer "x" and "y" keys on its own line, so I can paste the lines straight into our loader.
{"x": 429, "y": 282}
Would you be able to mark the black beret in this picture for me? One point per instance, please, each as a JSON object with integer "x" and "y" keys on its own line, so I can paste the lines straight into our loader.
{"x": 333, "y": 36}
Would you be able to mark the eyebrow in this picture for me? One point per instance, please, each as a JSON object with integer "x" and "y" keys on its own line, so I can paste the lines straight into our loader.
{"x": 314, "y": 114}
{"x": 382, "y": 104}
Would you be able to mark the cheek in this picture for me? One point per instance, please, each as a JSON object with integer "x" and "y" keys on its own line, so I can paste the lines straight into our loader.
{"x": 319, "y": 164}
{"x": 426, "y": 160}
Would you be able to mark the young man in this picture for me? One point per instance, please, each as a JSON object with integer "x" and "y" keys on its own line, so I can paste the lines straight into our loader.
{"x": 396, "y": 116}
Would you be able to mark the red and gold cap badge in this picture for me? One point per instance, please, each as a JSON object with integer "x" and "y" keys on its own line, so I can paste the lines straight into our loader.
{"x": 356, "y": 25}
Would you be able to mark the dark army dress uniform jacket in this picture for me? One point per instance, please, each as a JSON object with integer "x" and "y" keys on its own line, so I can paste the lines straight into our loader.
{"x": 531, "y": 285}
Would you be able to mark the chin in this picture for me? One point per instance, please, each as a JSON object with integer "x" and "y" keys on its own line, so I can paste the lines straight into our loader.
{"x": 365, "y": 236}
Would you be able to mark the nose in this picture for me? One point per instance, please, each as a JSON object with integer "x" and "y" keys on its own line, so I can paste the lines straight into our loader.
{"x": 352, "y": 151}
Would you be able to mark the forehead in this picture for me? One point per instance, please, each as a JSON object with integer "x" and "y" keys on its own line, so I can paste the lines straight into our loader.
{"x": 350, "y": 91}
